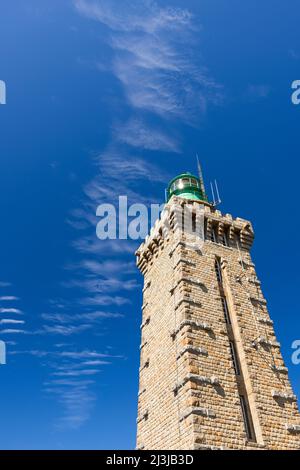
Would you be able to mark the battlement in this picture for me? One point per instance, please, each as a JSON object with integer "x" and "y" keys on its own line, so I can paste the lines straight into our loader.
{"x": 216, "y": 227}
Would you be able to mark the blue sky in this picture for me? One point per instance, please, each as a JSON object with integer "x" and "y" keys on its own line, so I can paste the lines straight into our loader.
{"x": 109, "y": 98}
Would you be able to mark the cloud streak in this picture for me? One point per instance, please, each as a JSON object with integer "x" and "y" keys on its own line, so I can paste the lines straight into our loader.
{"x": 72, "y": 318}
{"x": 8, "y": 298}
{"x": 11, "y": 321}
{"x": 153, "y": 47}
{"x": 71, "y": 382}
{"x": 136, "y": 133}
{"x": 10, "y": 310}
{"x": 10, "y": 325}
{"x": 5, "y": 284}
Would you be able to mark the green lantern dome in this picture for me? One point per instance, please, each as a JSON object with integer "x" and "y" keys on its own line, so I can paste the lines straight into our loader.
{"x": 187, "y": 186}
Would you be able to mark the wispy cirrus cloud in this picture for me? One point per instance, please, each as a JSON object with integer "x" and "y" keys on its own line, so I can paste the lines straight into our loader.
{"x": 153, "y": 47}
{"x": 8, "y": 298}
{"x": 76, "y": 399}
{"x": 114, "y": 169}
{"x": 134, "y": 16}
{"x": 104, "y": 300}
{"x": 10, "y": 310}
{"x": 86, "y": 354}
{"x": 104, "y": 268}
{"x": 11, "y": 321}
{"x": 102, "y": 285}
{"x": 91, "y": 245}
{"x": 72, "y": 318}
{"x": 10, "y": 325}
{"x": 95, "y": 363}
{"x": 71, "y": 382}
{"x": 12, "y": 331}
{"x": 137, "y": 133}
{"x": 101, "y": 277}
{"x": 64, "y": 330}
{"x": 112, "y": 165}
{"x": 80, "y": 365}
{"x": 5, "y": 284}
{"x": 76, "y": 373}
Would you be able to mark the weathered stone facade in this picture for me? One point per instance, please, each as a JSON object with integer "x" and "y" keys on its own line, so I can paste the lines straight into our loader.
{"x": 211, "y": 375}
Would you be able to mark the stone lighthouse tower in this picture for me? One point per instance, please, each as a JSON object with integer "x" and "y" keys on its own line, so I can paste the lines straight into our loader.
{"x": 211, "y": 373}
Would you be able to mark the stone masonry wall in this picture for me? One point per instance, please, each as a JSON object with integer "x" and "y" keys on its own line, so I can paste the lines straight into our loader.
{"x": 189, "y": 397}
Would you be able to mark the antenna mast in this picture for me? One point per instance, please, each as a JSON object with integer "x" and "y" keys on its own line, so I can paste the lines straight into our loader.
{"x": 213, "y": 186}
{"x": 200, "y": 176}
{"x": 216, "y": 200}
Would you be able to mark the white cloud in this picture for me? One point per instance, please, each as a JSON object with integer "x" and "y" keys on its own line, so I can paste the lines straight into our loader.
{"x": 76, "y": 399}
{"x": 104, "y": 268}
{"x": 88, "y": 316}
{"x": 74, "y": 355}
{"x": 12, "y": 331}
{"x": 137, "y": 133}
{"x": 9, "y": 320}
{"x": 85, "y": 354}
{"x": 95, "y": 363}
{"x": 33, "y": 352}
{"x": 69, "y": 382}
{"x": 8, "y": 297}
{"x": 153, "y": 59}
{"x": 58, "y": 329}
{"x": 69, "y": 385}
{"x": 90, "y": 244}
{"x": 102, "y": 285}
{"x": 76, "y": 373}
{"x": 131, "y": 15}
{"x": 65, "y": 330}
{"x": 125, "y": 169}
{"x": 5, "y": 284}
{"x": 10, "y": 310}
{"x": 104, "y": 300}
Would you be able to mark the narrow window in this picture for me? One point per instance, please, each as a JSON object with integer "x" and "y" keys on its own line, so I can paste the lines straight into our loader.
{"x": 205, "y": 229}
{"x": 238, "y": 238}
{"x": 193, "y": 222}
{"x": 225, "y": 237}
{"x": 234, "y": 358}
{"x": 218, "y": 270}
{"x": 213, "y": 236}
{"x": 247, "y": 418}
{"x": 225, "y": 310}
